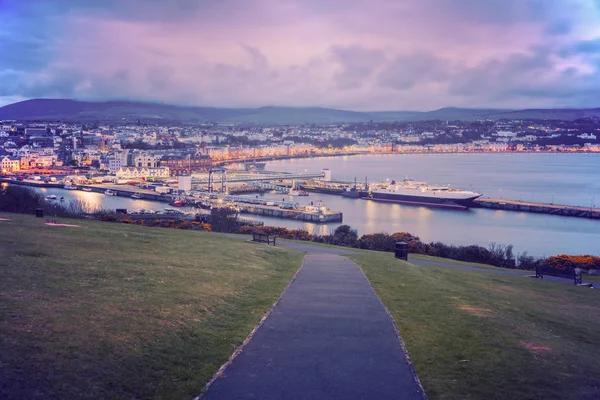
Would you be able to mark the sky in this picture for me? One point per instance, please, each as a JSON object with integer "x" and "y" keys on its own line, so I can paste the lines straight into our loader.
{"x": 374, "y": 55}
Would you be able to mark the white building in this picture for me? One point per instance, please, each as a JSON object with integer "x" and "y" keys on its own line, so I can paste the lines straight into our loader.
{"x": 184, "y": 182}
{"x": 144, "y": 172}
{"x": 145, "y": 160}
{"x": 10, "y": 164}
{"x": 114, "y": 163}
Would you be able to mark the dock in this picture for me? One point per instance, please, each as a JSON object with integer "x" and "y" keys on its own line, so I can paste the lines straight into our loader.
{"x": 285, "y": 209}
{"x": 540, "y": 208}
{"x": 301, "y": 215}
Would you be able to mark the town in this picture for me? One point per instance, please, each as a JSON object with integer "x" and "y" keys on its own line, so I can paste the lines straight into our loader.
{"x": 133, "y": 151}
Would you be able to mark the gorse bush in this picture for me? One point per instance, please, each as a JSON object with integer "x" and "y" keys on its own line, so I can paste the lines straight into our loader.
{"x": 566, "y": 262}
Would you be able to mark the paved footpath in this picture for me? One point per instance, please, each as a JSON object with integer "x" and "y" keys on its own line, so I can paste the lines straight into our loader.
{"x": 329, "y": 337}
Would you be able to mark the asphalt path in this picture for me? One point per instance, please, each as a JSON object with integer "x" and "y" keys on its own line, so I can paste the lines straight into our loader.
{"x": 328, "y": 337}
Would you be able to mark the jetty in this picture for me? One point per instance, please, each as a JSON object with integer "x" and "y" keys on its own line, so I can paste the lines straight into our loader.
{"x": 297, "y": 214}
{"x": 540, "y": 208}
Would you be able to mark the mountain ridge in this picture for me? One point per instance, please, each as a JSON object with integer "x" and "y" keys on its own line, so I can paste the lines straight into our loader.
{"x": 124, "y": 110}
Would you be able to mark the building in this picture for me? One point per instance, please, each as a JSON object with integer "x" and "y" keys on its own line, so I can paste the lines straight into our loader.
{"x": 10, "y": 164}
{"x": 114, "y": 162}
{"x": 144, "y": 172}
{"x": 180, "y": 164}
{"x": 145, "y": 160}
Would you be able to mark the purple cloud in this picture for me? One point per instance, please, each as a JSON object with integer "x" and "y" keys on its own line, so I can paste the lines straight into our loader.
{"x": 378, "y": 55}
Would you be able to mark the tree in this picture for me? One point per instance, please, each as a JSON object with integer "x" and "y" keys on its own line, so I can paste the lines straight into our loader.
{"x": 344, "y": 235}
{"x": 73, "y": 163}
{"x": 223, "y": 219}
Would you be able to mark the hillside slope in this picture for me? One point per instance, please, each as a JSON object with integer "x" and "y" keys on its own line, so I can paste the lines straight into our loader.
{"x": 130, "y": 111}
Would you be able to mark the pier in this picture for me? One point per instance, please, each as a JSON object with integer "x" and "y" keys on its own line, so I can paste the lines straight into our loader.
{"x": 301, "y": 215}
{"x": 525, "y": 206}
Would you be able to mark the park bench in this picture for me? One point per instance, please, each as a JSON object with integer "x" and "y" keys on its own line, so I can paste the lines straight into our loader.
{"x": 540, "y": 271}
{"x": 262, "y": 237}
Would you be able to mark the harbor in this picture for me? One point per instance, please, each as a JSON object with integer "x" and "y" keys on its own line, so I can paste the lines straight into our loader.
{"x": 522, "y": 212}
{"x": 190, "y": 203}
{"x": 207, "y": 189}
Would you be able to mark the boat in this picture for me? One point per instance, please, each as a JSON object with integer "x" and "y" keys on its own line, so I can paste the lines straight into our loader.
{"x": 143, "y": 211}
{"x": 62, "y": 199}
{"x": 87, "y": 189}
{"x": 315, "y": 207}
{"x": 109, "y": 192}
{"x": 422, "y": 194}
{"x": 51, "y": 197}
{"x": 178, "y": 203}
{"x": 302, "y": 193}
{"x": 70, "y": 187}
{"x": 255, "y": 166}
{"x": 205, "y": 205}
{"x": 172, "y": 211}
{"x": 137, "y": 196}
{"x": 351, "y": 192}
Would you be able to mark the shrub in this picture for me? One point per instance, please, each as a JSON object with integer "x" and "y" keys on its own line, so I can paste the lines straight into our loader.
{"x": 566, "y": 262}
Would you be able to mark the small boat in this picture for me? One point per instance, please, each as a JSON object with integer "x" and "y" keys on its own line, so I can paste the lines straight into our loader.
{"x": 62, "y": 199}
{"x": 316, "y": 207}
{"x": 109, "y": 192}
{"x": 205, "y": 205}
{"x": 71, "y": 187}
{"x": 87, "y": 189}
{"x": 172, "y": 211}
{"x": 51, "y": 197}
{"x": 177, "y": 203}
{"x": 137, "y": 196}
{"x": 302, "y": 193}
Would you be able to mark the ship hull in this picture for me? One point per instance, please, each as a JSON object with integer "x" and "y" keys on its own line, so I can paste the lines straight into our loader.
{"x": 459, "y": 204}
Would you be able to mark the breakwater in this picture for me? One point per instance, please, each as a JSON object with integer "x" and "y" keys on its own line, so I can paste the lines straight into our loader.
{"x": 539, "y": 208}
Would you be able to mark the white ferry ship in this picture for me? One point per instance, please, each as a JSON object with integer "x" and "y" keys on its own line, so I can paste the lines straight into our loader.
{"x": 420, "y": 193}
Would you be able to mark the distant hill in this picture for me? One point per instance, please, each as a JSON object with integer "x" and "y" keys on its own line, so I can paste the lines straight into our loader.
{"x": 121, "y": 111}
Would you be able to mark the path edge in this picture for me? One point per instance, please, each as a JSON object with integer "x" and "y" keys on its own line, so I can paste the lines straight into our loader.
{"x": 411, "y": 366}
{"x": 220, "y": 372}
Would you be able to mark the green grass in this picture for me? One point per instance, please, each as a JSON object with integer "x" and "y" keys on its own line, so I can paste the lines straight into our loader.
{"x": 422, "y": 257}
{"x": 126, "y": 312}
{"x": 473, "y": 335}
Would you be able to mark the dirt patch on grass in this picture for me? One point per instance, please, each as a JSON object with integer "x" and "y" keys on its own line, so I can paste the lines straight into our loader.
{"x": 477, "y": 311}
{"x": 535, "y": 347}
{"x": 67, "y": 225}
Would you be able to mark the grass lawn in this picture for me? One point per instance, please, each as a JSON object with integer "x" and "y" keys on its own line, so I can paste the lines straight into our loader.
{"x": 118, "y": 311}
{"x": 421, "y": 257}
{"x": 475, "y": 335}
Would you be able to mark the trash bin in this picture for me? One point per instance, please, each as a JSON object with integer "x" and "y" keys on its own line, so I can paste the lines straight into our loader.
{"x": 401, "y": 250}
{"x": 39, "y": 212}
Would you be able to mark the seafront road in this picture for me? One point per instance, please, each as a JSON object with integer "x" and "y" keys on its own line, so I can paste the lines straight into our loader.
{"x": 328, "y": 337}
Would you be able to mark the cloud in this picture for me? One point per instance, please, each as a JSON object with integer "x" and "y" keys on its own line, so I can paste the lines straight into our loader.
{"x": 357, "y": 64}
{"x": 387, "y": 54}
